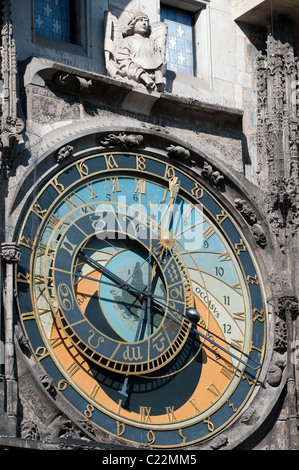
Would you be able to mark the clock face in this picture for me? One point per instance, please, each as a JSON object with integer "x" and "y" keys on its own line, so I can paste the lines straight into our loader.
{"x": 141, "y": 300}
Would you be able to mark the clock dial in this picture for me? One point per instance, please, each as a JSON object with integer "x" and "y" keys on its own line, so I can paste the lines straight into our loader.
{"x": 141, "y": 299}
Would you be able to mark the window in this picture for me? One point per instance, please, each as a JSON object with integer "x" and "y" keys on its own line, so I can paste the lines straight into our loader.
{"x": 179, "y": 47}
{"x": 57, "y": 19}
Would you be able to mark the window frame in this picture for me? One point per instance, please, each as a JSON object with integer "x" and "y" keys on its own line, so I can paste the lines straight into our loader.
{"x": 202, "y": 47}
{"x": 78, "y": 42}
{"x": 193, "y": 21}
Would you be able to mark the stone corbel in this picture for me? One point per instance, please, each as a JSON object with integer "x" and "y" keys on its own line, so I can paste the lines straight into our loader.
{"x": 72, "y": 82}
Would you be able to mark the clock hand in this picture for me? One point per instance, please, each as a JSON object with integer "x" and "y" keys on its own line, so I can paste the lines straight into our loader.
{"x": 193, "y": 322}
{"x": 174, "y": 187}
{"x": 149, "y": 294}
{"x": 123, "y": 284}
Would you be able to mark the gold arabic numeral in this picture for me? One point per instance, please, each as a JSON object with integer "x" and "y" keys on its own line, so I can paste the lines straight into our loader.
{"x": 240, "y": 247}
{"x": 221, "y": 217}
{"x": 89, "y": 410}
{"x": 209, "y": 424}
{"x": 41, "y": 352}
{"x": 169, "y": 172}
{"x": 182, "y": 436}
{"x": 144, "y": 412}
{"x": 23, "y": 278}
{"x": 197, "y": 191}
{"x": 26, "y": 242}
{"x": 58, "y": 186}
{"x": 110, "y": 162}
{"x": 140, "y": 163}
{"x": 170, "y": 414}
{"x": 120, "y": 428}
{"x": 151, "y": 437}
{"x": 214, "y": 390}
{"x": 258, "y": 315}
{"x": 252, "y": 280}
{"x": 231, "y": 405}
{"x": 62, "y": 385}
{"x": 249, "y": 381}
{"x": 39, "y": 211}
{"x": 82, "y": 169}
{"x": 256, "y": 348}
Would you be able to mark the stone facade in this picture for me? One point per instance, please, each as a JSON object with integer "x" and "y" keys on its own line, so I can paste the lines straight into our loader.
{"x": 234, "y": 123}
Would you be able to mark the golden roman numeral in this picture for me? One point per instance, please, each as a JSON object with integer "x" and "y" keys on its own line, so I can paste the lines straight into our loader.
{"x": 170, "y": 414}
{"x": 73, "y": 368}
{"x": 145, "y": 414}
{"x": 208, "y": 232}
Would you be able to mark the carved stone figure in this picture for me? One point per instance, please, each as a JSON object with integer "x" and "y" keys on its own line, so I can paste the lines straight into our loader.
{"x": 211, "y": 175}
{"x": 136, "y": 54}
{"x": 122, "y": 140}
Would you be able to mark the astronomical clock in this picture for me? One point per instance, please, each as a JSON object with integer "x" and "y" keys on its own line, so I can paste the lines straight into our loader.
{"x": 141, "y": 298}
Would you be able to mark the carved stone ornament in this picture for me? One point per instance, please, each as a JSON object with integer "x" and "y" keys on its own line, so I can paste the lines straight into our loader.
{"x": 211, "y": 175}
{"x": 11, "y": 125}
{"x": 275, "y": 374}
{"x": 10, "y": 252}
{"x": 122, "y": 140}
{"x": 277, "y": 131}
{"x": 29, "y": 430}
{"x": 136, "y": 54}
{"x": 251, "y": 218}
{"x": 178, "y": 153}
{"x": 64, "y": 153}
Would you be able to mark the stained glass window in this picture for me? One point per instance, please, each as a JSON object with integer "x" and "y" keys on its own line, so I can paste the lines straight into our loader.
{"x": 179, "y": 47}
{"x": 52, "y": 19}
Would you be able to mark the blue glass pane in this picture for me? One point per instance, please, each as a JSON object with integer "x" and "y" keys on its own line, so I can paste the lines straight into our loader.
{"x": 52, "y": 19}
{"x": 179, "y": 47}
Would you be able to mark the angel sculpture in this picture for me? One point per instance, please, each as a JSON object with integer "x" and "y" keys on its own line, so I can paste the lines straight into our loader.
{"x": 136, "y": 55}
